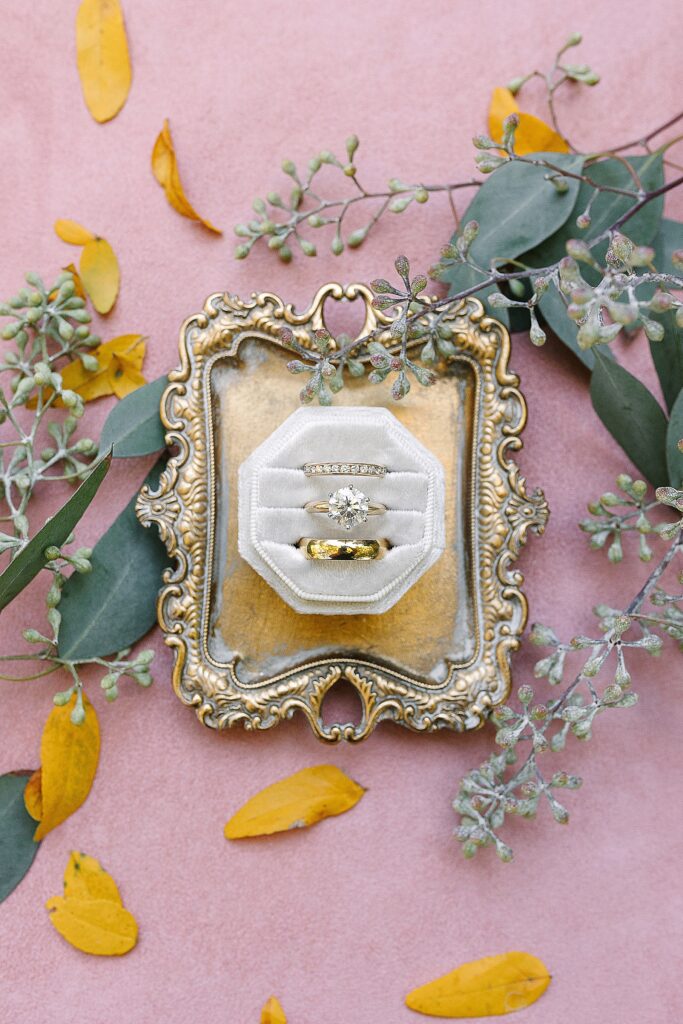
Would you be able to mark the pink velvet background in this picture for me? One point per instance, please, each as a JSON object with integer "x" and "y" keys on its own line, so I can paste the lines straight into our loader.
{"x": 342, "y": 920}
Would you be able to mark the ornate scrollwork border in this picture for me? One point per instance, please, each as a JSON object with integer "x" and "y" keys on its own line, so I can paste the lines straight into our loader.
{"x": 181, "y": 508}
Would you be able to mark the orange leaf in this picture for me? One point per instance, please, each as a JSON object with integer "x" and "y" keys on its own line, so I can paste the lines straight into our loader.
{"x": 68, "y": 754}
{"x": 90, "y": 915}
{"x": 490, "y": 987}
{"x": 119, "y": 373}
{"x": 165, "y": 170}
{"x": 300, "y": 800}
{"x": 532, "y": 134}
{"x": 72, "y": 232}
{"x": 78, "y": 284}
{"x": 102, "y": 56}
{"x": 86, "y": 879}
{"x": 272, "y": 1012}
{"x": 33, "y": 795}
{"x": 99, "y": 269}
{"x": 100, "y": 927}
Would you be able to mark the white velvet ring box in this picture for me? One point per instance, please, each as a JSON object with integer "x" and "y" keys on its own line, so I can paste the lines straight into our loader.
{"x": 273, "y": 490}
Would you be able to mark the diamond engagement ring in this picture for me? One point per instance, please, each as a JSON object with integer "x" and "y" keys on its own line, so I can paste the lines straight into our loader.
{"x": 344, "y": 469}
{"x": 347, "y": 506}
{"x": 324, "y": 550}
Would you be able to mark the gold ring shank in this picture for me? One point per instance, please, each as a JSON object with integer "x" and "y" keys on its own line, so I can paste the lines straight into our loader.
{"x": 326, "y": 550}
{"x": 375, "y": 508}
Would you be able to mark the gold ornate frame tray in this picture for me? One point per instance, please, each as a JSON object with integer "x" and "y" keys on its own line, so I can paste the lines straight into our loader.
{"x": 440, "y": 657}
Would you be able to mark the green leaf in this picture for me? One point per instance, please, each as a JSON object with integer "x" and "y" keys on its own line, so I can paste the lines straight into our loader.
{"x": 516, "y": 209}
{"x": 674, "y": 434}
{"x": 632, "y": 415}
{"x": 667, "y": 354}
{"x": 134, "y": 426}
{"x": 607, "y": 208}
{"x": 111, "y": 607}
{"x": 17, "y": 848}
{"x": 31, "y": 560}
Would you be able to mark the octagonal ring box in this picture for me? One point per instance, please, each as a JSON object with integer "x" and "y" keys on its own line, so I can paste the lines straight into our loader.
{"x": 273, "y": 490}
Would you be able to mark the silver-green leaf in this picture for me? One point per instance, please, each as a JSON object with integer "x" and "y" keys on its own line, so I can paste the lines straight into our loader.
{"x": 633, "y": 417}
{"x": 17, "y": 847}
{"x": 114, "y": 605}
{"x": 134, "y": 426}
{"x": 31, "y": 560}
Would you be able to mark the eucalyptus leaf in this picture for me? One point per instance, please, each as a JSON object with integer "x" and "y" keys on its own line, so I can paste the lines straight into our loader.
{"x": 111, "y": 607}
{"x": 606, "y": 209}
{"x": 632, "y": 415}
{"x": 17, "y": 848}
{"x": 674, "y": 434}
{"x": 516, "y": 209}
{"x": 134, "y": 426}
{"x": 31, "y": 560}
{"x": 667, "y": 354}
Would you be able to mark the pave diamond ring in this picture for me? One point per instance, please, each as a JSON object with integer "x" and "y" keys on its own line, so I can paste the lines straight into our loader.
{"x": 347, "y": 506}
{"x": 344, "y": 469}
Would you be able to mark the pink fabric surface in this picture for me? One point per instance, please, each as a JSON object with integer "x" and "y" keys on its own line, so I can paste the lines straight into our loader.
{"x": 342, "y": 920}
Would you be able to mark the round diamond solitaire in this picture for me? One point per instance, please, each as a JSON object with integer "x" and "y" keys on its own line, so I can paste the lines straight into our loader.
{"x": 349, "y": 506}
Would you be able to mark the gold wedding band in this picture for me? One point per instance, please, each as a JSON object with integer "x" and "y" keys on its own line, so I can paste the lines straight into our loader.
{"x": 322, "y": 549}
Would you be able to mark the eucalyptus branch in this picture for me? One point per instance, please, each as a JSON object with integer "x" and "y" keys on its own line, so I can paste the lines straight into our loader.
{"x": 117, "y": 667}
{"x": 494, "y": 790}
{"x": 304, "y": 207}
{"x": 49, "y": 326}
{"x": 616, "y": 294}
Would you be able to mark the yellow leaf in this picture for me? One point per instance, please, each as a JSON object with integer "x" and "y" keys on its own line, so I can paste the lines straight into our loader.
{"x": 272, "y": 1012}
{"x": 490, "y": 987}
{"x": 100, "y": 927}
{"x": 119, "y": 373}
{"x": 86, "y": 879}
{"x": 532, "y": 134}
{"x": 165, "y": 170}
{"x": 79, "y": 290}
{"x": 78, "y": 284}
{"x": 299, "y": 800}
{"x": 69, "y": 754}
{"x": 33, "y": 795}
{"x": 99, "y": 269}
{"x": 73, "y": 233}
{"x": 102, "y": 55}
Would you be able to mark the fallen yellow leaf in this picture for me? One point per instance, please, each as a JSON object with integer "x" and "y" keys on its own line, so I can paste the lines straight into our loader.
{"x": 78, "y": 284}
{"x": 90, "y": 915}
{"x": 490, "y": 987}
{"x": 99, "y": 927}
{"x": 272, "y": 1012}
{"x": 301, "y": 799}
{"x": 532, "y": 135}
{"x": 99, "y": 269}
{"x": 102, "y": 56}
{"x": 165, "y": 170}
{"x": 79, "y": 290}
{"x": 69, "y": 754}
{"x": 120, "y": 361}
{"x": 72, "y": 232}
{"x": 33, "y": 795}
{"x": 86, "y": 879}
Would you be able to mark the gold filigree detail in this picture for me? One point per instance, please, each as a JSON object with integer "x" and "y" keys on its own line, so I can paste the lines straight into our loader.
{"x": 182, "y": 505}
